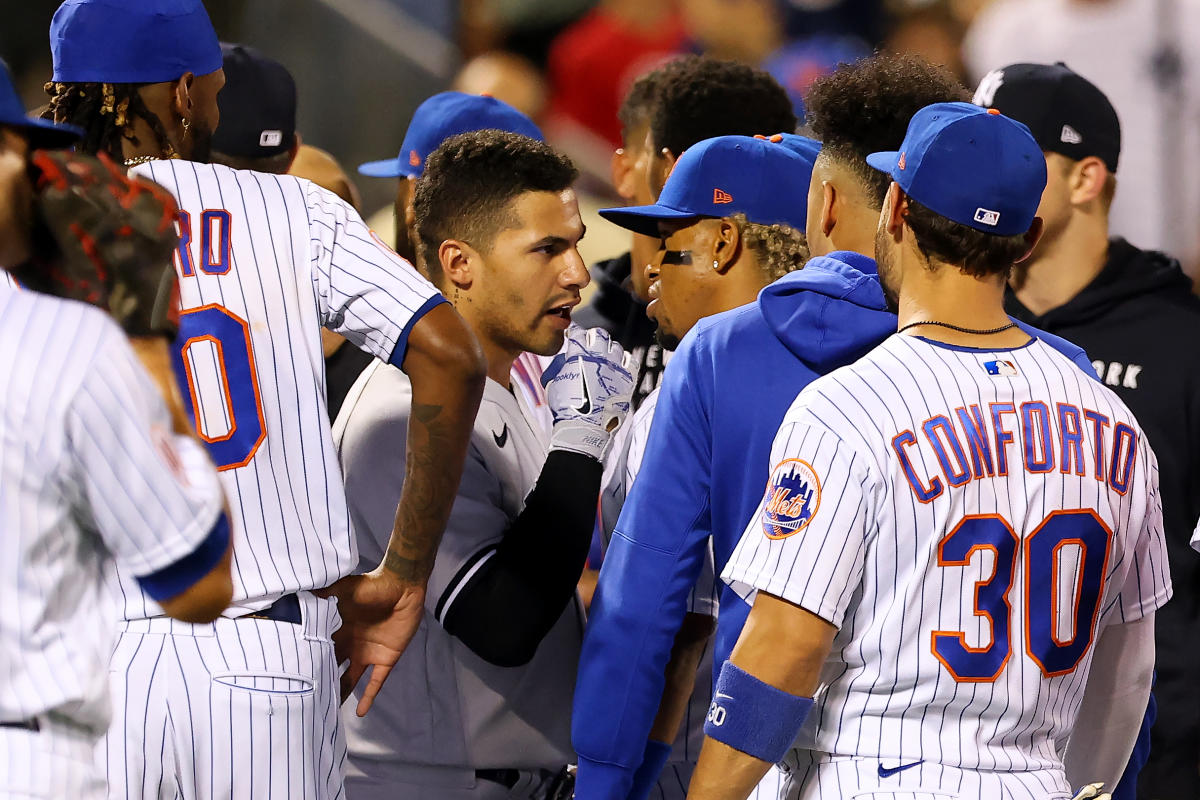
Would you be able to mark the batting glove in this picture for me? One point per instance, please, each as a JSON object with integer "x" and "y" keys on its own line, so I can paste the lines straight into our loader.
{"x": 1093, "y": 791}
{"x": 588, "y": 388}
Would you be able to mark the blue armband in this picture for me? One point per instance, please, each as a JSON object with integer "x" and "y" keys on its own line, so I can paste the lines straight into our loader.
{"x": 646, "y": 777}
{"x": 754, "y": 717}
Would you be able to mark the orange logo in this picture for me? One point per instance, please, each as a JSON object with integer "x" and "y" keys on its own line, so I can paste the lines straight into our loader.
{"x": 900, "y": 163}
{"x": 413, "y": 158}
{"x": 720, "y": 197}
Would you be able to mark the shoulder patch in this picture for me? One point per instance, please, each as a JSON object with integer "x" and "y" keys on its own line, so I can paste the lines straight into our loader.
{"x": 792, "y": 499}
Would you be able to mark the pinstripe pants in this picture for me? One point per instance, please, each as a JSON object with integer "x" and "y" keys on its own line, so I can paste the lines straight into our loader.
{"x": 819, "y": 776}
{"x": 49, "y": 764}
{"x": 241, "y": 709}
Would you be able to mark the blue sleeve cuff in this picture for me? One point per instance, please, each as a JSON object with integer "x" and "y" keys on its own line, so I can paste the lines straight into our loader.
{"x": 595, "y": 780}
{"x": 646, "y": 777}
{"x": 401, "y": 349}
{"x": 177, "y": 578}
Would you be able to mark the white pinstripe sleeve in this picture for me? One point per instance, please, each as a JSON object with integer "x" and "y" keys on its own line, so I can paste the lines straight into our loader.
{"x": 1147, "y": 585}
{"x": 153, "y": 496}
{"x": 366, "y": 292}
{"x": 807, "y": 541}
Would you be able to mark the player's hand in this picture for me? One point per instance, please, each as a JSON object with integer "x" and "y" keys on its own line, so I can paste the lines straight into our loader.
{"x": 103, "y": 238}
{"x": 588, "y": 389}
{"x": 1093, "y": 791}
{"x": 380, "y": 615}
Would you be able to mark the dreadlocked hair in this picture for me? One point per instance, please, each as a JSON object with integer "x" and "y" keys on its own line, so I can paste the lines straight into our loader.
{"x": 106, "y": 112}
{"x": 780, "y": 249}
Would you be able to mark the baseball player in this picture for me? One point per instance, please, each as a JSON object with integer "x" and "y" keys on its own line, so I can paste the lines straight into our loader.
{"x": 89, "y": 473}
{"x": 718, "y": 248}
{"x": 481, "y": 708}
{"x": 721, "y": 408}
{"x": 961, "y": 532}
{"x": 264, "y": 260}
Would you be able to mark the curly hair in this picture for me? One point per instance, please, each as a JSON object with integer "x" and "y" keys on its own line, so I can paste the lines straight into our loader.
{"x": 701, "y": 97}
{"x": 469, "y": 182}
{"x": 780, "y": 249}
{"x": 865, "y": 107}
{"x": 106, "y": 112}
{"x": 976, "y": 253}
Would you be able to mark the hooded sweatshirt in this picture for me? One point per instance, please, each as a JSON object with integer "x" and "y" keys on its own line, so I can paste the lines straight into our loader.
{"x": 723, "y": 396}
{"x": 1140, "y": 323}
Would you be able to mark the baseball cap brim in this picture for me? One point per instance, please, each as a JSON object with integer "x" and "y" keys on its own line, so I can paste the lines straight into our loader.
{"x": 645, "y": 219}
{"x": 43, "y": 133}
{"x": 884, "y": 161}
{"x": 388, "y": 168}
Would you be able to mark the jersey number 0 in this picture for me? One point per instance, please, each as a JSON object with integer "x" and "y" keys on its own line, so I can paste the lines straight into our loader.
{"x": 214, "y": 357}
{"x": 1055, "y": 651}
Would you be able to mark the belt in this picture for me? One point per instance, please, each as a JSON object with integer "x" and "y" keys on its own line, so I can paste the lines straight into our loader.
{"x": 30, "y": 724}
{"x": 553, "y": 786}
{"x": 285, "y": 609}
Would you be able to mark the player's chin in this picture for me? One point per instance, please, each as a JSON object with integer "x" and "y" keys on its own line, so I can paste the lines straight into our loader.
{"x": 547, "y": 340}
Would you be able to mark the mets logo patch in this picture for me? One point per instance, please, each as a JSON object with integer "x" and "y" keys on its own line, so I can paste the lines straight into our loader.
{"x": 793, "y": 496}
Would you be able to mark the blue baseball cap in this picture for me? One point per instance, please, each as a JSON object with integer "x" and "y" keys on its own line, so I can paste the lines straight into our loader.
{"x": 132, "y": 41}
{"x": 442, "y": 116}
{"x": 972, "y": 165}
{"x": 765, "y": 180}
{"x": 42, "y": 133}
{"x": 806, "y": 148}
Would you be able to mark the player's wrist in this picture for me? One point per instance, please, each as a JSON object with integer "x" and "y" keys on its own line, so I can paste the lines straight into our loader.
{"x": 583, "y": 437}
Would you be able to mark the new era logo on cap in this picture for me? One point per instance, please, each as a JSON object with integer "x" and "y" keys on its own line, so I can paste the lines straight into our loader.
{"x": 720, "y": 196}
{"x": 1070, "y": 135}
{"x": 987, "y": 217}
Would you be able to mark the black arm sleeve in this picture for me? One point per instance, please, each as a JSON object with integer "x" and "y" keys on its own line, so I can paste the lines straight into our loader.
{"x": 509, "y": 605}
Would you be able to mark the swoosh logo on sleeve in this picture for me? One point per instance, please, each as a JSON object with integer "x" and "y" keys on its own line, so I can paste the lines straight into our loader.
{"x": 501, "y": 437}
{"x": 884, "y": 772}
{"x": 586, "y": 406}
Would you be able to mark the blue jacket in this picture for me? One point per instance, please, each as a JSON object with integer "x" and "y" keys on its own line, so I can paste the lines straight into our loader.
{"x": 722, "y": 399}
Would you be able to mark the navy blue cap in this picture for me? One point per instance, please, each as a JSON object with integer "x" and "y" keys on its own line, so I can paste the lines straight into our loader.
{"x": 41, "y": 133}
{"x": 972, "y": 165}
{"x": 257, "y": 104}
{"x": 442, "y": 116}
{"x": 765, "y": 180}
{"x": 132, "y": 41}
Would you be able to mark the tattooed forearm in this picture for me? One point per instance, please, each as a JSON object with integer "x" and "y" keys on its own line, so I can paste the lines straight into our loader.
{"x": 430, "y": 482}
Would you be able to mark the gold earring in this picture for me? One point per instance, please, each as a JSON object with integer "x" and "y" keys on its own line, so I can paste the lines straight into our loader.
{"x": 187, "y": 123}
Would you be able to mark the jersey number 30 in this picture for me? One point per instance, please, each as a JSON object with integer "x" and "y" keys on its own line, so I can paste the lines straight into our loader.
{"x": 1068, "y": 549}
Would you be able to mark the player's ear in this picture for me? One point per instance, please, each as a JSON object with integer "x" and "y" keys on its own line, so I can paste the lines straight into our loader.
{"x": 1032, "y": 236}
{"x": 181, "y": 95}
{"x": 895, "y": 207}
{"x": 727, "y": 245}
{"x": 410, "y": 210}
{"x": 829, "y": 207}
{"x": 621, "y": 169}
{"x": 457, "y": 260}
{"x": 1087, "y": 180}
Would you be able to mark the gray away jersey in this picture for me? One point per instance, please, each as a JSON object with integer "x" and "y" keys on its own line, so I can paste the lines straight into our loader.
{"x": 89, "y": 473}
{"x": 971, "y": 521}
{"x": 443, "y": 705}
{"x": 265, "y": 261}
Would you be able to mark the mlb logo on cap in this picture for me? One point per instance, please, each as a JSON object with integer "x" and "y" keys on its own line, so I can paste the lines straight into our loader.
{"x": 987, "y": 217}
{"x": 972, "y": 165}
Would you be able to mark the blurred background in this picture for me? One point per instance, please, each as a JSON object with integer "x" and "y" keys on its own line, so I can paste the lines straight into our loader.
{"x": 362, "y": 66}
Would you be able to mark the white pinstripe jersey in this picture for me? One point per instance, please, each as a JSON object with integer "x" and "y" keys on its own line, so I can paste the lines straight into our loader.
{"x": 88, "y": 473}
{"x": 6, "y": 281}
{"x": 265, "y": 260}
{"x": 970, "y": 520}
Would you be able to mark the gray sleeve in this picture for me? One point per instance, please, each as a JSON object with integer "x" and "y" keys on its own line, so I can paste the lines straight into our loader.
{"x": 371, "y": 434}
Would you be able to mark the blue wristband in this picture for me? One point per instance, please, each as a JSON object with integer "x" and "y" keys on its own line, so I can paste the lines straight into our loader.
{"x": 646, "y": 777}
{"x": 754, "y": 717}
